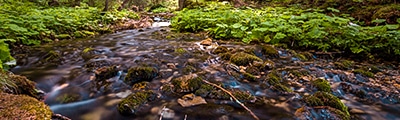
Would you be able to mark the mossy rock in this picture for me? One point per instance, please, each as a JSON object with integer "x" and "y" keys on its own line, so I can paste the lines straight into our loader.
{"x": 188, "y": 69}
{"x": 69, "y": 98}
{"x": 249, "y": 77}
{"x": 106, "y": 72}
{"x": 321, "y": 85}
{"x": 344, "y": 64}
{"x": 269, "y": 51}
{"x": 180, "y": 51}
{"x": 327, "y": 100}
{"x": 88, "y": 53}
{"x": 20, "y": 85}
{"x": 281, "y": 88}
{"x": 204, "y": 90}
{"x": 20, "y": 107}
{"x": 141, "y": 86}
{"x": 364, "y": 73}
{"x": 138, "y": 74}
{"x": 242, "y": 95}
{"x": 273, "y": 78}
{"x": 243, "y": 59}
{"x": 299, "y": 73}
{"x": 96, "y": 64}
{"x": 220, "y": 49}
{"x": 131, "y": 104}
{"x": 52, "y": 57}
{"x": 7, "y": 85}
{"x": 225, "y": 56}
{"x": 186, "y": 83}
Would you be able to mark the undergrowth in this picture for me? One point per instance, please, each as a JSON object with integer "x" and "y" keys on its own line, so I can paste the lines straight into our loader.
{"x": 298, "y": 28}
{"x": 30, "y": 24}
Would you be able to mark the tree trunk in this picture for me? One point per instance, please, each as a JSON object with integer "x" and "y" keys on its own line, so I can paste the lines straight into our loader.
{"x": 181, "y": 4}
{"x": 91, "y": 3}
{"x": 105, "y": 6}
{"x": 123, "y": 4}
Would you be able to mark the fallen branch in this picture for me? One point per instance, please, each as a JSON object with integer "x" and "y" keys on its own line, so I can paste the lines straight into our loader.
{"x": 236, "y": 100}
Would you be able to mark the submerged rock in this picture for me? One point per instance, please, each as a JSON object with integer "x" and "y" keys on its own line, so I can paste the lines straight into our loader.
{"x": 131, "y": 104}
{"x": 186, "y": 83}
{"x": 23, "y": 107}
{"x": 243, "y": 59}
{"x": 327, "y": 99}
{"x": 138, "y": 74}
{"x": 189, "y": 100}
{"x": 106, "y": 72}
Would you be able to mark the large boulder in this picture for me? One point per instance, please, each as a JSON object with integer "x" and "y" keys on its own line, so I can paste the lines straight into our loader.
{"x": 139, "y": 74}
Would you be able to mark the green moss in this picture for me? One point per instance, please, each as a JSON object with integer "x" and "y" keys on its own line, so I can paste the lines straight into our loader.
{"x": 6, "y": 85}
{"x": 86, "y": 50}
{"x": 187, "y": 83}
{"x": 131, "y": 104}
{"x": 138, "y": 74}
{"x": 220, "y": 49}
{"x": 249, "y": 77}
{"x": 24, "y": 86}
{"x": 313, "y": 101}
{"x": 63, "y": 36}
{"x": 281, "y": 88}
{"x": 332, "y": 101}
{"x": 140, "y": 86}
{"x": 23, "y": 107}
{"x": 204, "y": 90}
{"x": 299, "y": 73}
{"x": 273, "y": 78}
{"x": 242, "y": 95}
{"x": 52, "y": 57}
{"x": 269, "y": 51}
{"x": 243, "y": 59}
{"x": 106, "y": 72}
{"x": 268, "y": 64}
{"x": 68, "y": 98}
{"x": 344, "y": 64}
{"x": 225, "y": 56}
{"x": 388, "y": 11}
{"x": 321, "y": 85}
{"x": 363, "y": 72}
{"x": 180, "y": 51}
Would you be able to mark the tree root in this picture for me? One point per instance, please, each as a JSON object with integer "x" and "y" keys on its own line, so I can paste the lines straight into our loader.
{"x": 236, "y": 100}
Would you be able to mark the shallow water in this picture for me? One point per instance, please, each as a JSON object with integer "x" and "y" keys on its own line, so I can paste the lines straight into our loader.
{"x": 132, "y": 47}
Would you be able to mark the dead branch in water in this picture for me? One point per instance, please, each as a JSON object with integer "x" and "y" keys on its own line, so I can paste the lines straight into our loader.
{"x": 236, "y": 100}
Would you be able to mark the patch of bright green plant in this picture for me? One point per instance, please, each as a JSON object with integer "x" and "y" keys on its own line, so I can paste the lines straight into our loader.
{"x": 29, "y": 24}
{"x": 295, "y": 27}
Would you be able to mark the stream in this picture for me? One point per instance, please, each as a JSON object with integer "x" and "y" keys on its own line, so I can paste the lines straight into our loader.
{"x": 72, "y": 73}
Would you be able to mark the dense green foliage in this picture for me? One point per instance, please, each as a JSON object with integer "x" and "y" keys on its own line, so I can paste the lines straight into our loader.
{"x": 310, "y": 28}
{"x": 29, "y": 24}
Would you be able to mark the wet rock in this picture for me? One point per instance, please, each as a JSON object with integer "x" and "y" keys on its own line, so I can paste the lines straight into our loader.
{"x": 52, "y": 57}
{"x": 364, "y": 73}
{"x": 357, "y": 111}
{"x": 95, "y": 64}
{"x": 220, "y": 49}
{"x": 344, "y": 64}
{"x": 269, "y": 51}
{"x": 59, "y": 117}
{"x": 22, "y": 107}
{"x": 186, "y": 83}
{"x": 131, "y": 104}
{"x": 225, "y": 56}
{"x": 141, "y": 86}
{"x": 69, "y": 98}
{"x": 189, "y": 100}
{"x": 206, "y": 42}
{"x": 243, "y": 59}
{"x": 138, "y": 74}
{"x": 106, "y": 72}
{"x": 323, "y": 113}
{"x": 88, "y": 53}
{"x": 326, "y": 99}
{"x": 281, "y": 88}
{"x": 16, "y": 84}
{"x": 321, "y": 85}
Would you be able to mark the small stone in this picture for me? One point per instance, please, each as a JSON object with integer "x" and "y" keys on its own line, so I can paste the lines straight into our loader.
{"x": 191, "y": 100}
{"x": 357, "y": 111}
{"x": 206, "y": 42}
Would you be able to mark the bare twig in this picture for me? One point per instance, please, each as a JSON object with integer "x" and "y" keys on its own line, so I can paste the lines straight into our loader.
{"x": 236, "y": 100}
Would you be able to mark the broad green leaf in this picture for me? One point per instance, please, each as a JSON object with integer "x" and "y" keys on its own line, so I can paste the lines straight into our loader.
{"x": 392, "y": 27}
{"x": 379, "y": 21}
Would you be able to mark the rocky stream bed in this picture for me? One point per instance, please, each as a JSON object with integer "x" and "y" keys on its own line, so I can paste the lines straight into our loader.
{"x": 156, "y": 73}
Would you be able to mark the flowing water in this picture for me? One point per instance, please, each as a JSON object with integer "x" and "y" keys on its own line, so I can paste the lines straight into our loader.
{"x": 69, "y": 75}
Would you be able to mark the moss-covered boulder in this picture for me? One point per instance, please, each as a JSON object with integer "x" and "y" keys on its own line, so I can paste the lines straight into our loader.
{"x": 139, "y": 74}
{"x": 243, "y": 59}
{"x": 131, "y": 104}
{"x": 18, "y": 107}
{"x": 106, "y": 72}
{"x": 220, "y": 49}
{"x": 321, "y": 85}
{"x": 269, "y": 51}
{"x": 186, "y": 83}
{"x": 326, "y": 99}
{"x": 95, "y": 64}
{"x": 16, "y": 84}
{"x": 364, "y": 73}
